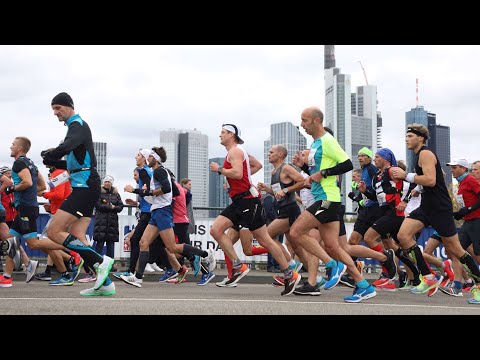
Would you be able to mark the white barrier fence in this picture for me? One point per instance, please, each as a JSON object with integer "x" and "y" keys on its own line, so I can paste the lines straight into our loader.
{"x": 204, "y": 241}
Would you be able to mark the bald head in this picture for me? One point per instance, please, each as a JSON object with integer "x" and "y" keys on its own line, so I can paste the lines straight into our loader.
{"x": 313, "y": 112}
{"x": 281, "y": 150}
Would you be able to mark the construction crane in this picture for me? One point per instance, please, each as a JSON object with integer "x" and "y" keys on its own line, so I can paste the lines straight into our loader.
{"x": 364, "y": 73}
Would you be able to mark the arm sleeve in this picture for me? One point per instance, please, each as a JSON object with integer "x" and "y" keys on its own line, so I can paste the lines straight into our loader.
{"x": 162, "y": 177}
{"x": 73, "y": 139}
{"x": 143, "y": 175}
{"x": 340, "y": 168}
{"x": 305, "y": 168}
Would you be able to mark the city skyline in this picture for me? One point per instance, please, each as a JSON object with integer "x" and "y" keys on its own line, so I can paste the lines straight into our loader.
{"x": 126, "y": 102}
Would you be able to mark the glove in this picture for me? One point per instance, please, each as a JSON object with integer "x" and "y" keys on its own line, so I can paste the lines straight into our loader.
{"x": 354, "y": 185}
{"x": 9, "y": 189}
{"x": 361, "y": 203}
{"x": 43, "y": 153}
{"x": 461, "y": 213}
{"x": 351, "y": 195}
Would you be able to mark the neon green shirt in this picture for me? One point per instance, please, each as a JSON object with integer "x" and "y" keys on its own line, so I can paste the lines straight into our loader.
{"x": 325, "y": 153}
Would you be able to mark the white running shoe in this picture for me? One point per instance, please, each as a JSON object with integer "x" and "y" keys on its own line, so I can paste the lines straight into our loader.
{"x": 103, "y": 270}
{"x": 209, "y": 263}
{"x": 103, "y": 291}
{"x": 223, "y": 283}
{"x": 149, "y": 268}
{"x": 132, "y": 280}
{"x": 31, "y": 268}
{"x": 156, "y": 268}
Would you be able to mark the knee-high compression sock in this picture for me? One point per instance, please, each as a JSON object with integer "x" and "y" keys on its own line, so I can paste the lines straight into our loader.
{"x": 189, "y": 251}
{"x": 416, "y": 255}
{"x": 229, "y": 264}
{"x": 407, "y": 262}
{"x": 142, "y": 262}
{"x": 90, "y": 256}
{"x": 470, "y": 266}
{"x": 258, "y": 250}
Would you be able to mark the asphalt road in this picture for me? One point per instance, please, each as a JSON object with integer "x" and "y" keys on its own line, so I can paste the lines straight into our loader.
{"x": 260, "y": 298}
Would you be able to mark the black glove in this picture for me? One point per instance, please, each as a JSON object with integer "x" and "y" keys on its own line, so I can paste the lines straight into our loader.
{"x": 43, "y": 153}
{"x": 9, "y": 189}
{"x": 461, "y": 213}
{"x": 351, "y": 195}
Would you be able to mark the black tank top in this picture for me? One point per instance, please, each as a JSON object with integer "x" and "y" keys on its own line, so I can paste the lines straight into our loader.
{"x": 290, "y": 196}
{"x": 434, "y": 199}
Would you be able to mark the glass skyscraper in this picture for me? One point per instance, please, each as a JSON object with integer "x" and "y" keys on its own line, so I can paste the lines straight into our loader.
{"x": 218, "y": 196}
{"x": 187, "y": 157}
{"x": 286, "y": 134}
{"x": 100, "y": 149}
{"x": 439, "y": 139}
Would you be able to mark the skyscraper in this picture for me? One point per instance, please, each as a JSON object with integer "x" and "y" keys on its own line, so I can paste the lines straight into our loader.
{"x": 100, "y": 150}
{"x": 187, "y": 157}
{"x": 353, "y": 117}
{"x": 218, "y": 196}
{"x": 286, "y": 134}
{"x": 364, "y": 121}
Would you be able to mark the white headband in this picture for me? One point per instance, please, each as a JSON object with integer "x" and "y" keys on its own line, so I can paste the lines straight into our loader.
{"x": 156, "y": 156}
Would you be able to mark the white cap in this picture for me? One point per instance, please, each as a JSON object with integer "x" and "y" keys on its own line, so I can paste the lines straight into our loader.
{"x": 459, "y": 162}
{"x": 234, "y": 129}
{"x": 108, "y": 178}
{"x": 145, "y": 153}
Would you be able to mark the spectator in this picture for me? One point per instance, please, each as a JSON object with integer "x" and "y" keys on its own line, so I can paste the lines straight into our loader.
{"x": 105, "y": 230}
{"x": 187, "y": 184}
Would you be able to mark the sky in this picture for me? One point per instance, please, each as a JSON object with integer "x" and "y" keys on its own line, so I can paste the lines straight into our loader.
{"x": 127, "y": 94}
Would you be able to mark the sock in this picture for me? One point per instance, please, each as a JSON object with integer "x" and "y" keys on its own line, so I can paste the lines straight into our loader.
{"x": 457, "y": 284}
{"x": 416, "y": 254}
{"x": 189, "y": 251}
{"x": 331, "y": 264}
{"x": 470, "y": 267}
{"x": 378, "y": 248}
{"x": 229, "y": 263}
{"x": 363, "y": 284}
{"x": 142, "y": 262}
{"x": 86, "y": 252}
{"x": 48, "y": 270}
{"x": 107, "y": 282}
{"x": 258, "y": 250}
{"x": 7, "y": 276}
{"x": 292, "y": 263}
{"x": 408, "y": 263}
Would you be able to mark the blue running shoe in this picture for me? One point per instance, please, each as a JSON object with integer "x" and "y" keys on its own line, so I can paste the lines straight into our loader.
{"x": 298, "y": 265}
{"x": 196, "y": 265}
{"x": 62, "y": 281}
{"x": 206, "y": 278}
{"x": 335, "y": 275}
{"x": 76, "y": 269}
{"x": 321, "y": 283}
{"x": 169, "y": 274}
{"x": 360, "y": 294}
{"x": 119, "y": 274}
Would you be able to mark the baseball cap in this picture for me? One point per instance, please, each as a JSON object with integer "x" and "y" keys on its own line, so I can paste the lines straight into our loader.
{"x": 234, "y": 129}
{"x": 459, "y": 162}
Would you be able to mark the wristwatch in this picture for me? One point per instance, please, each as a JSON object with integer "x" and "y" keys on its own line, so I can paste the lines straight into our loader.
{"x": 220, "y": 170}
{"x": 324, "y": 173}
{"x": 285, "y": 190}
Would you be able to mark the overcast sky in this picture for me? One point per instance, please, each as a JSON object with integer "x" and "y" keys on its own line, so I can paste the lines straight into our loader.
{"x": 127, "y": 94}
